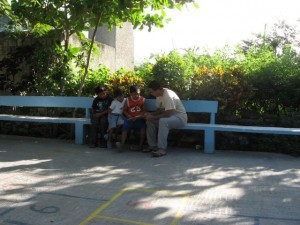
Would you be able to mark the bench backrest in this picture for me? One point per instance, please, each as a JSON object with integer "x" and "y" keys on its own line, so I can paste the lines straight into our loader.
{"x": 193, "y": 106}
{"x": 48, "y": 101}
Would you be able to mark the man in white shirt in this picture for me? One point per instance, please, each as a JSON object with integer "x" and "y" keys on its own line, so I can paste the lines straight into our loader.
{"x": 170, "y": 114}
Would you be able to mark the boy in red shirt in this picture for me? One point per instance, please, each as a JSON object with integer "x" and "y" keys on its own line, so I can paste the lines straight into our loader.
{"x": 134, "y": 109}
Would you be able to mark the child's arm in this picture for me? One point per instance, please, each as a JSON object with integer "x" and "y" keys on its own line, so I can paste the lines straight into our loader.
{"x": 144, "y": 108}
{"x": 109, "y": 111}
{"x": 125, "y": 110}
{"x": 111, "y": 107}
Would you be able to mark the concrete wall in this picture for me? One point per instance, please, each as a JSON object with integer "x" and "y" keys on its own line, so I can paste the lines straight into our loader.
{"x": 116, "y": 46}
{"x": 125, "y": 47}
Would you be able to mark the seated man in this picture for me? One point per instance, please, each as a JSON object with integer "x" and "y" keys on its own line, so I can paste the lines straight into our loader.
{"x": 170, "y": 114}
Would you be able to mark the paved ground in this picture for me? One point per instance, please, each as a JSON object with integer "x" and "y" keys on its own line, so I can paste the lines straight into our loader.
{"x": 44, "y": 181}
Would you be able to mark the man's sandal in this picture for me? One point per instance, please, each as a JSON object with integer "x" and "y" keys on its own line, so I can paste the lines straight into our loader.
{"x": 159, "y": 153}
{"x": 149, "y": 149}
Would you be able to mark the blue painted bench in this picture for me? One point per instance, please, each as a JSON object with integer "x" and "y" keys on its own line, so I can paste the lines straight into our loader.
{"x": 50, "y": 102}
{"x": 199, "y": 106}
{"x": 191, "y": 106}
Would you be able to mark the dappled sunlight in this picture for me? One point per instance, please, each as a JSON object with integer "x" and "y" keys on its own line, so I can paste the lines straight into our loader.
{"x": 22, "y": 163}
{"x": 116, "y": 188}
{"x": 223, "y": 192}
{"x": 158, "y": 206}
{"x": 291, "y": 182}
{"x": 98, "y": 169}
{"x": 222, "y": 189}
{"x": 107, "y": 170}
{"x": 286, "y": 200}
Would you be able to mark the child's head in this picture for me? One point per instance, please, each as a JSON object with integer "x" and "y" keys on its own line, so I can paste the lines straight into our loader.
{"x": 100, "y": 91}
{"x": 118, "y": 94}
{"x": 135, "y": 91}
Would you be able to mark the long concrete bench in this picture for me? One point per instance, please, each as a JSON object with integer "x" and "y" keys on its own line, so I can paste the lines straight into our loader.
{"x": 196, "y": 106}
{"x": 50, "y": 102}
{"x": 191, "y": 106}
{"x": 199, "y": 106}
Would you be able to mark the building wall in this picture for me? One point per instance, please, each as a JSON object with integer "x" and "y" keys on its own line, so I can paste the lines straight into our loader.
{"x": 105, "y": 36}
{"x": 116, "y": 46}
{"x": 125, "y": 47}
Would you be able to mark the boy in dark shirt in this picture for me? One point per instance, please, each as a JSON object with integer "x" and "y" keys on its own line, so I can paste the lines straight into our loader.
{"x": 100, "y": 108}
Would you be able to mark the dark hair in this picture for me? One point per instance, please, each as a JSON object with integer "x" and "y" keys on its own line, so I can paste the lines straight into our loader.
{"x": 118, "y": 92}
{"x": 99, "y": 89}
{"x": 133, "y": 89}
{"x": 155, "y": 85}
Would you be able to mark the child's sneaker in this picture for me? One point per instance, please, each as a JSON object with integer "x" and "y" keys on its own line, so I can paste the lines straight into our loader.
{"x": 119, "y": 146}
{"x": 105, "y": 136}
{"x": 109, "y": 145}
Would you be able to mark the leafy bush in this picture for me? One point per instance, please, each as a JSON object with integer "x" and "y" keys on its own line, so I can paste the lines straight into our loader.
{"x": 229, "y": 87}
{"x": 99, "y": 76}
{"x": 276, "y": 80}
{"x": 174, "y": 72}
{"x": 124, "y": 79}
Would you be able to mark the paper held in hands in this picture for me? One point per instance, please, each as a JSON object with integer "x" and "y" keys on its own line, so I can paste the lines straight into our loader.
{"x": 136, "y": 117}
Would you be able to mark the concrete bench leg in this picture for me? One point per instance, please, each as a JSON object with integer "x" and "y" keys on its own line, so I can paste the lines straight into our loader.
{"x": 209, "y": 141}
{"x": 79, "y": 133}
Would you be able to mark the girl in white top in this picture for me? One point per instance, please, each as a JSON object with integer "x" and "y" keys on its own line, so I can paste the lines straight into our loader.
{"x": 115, "y": 115}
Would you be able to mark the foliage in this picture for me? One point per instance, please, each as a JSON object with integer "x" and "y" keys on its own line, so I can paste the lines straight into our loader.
{"x": 70, "y": 17}
{"x": 173, "y": 71}
{"x": 277, "y": 37}
{"x": 276, "y": 81}
{"x": 124, "y": 79}
{"x": 225, "y": 57}
{"x": 99, "y": 76}
{"x": 228, "y": 86}
{"x": 44, "y": 67}
{"x": 256, "y": 79}
{"x": 144, "y": 71}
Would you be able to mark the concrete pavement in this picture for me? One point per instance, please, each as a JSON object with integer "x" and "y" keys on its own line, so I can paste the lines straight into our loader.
{"x": 47, "y": 181}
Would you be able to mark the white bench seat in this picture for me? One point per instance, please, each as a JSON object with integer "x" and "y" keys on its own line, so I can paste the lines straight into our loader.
{"x": 209, "y": 129}
{"x": 50, "y": 102}
{"x": 257, "y": 129}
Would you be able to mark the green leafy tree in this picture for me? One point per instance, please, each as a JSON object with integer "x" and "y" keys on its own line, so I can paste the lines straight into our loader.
{"x": 174, "y": 71}
{"x": 271, "y": 64}
{"x": 74, "y": 16}
{"x": 277, "y": 37}
{"x": 275, "y": 79}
